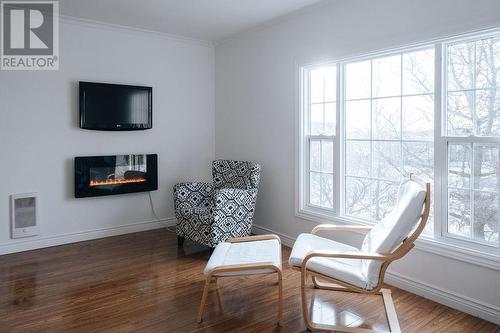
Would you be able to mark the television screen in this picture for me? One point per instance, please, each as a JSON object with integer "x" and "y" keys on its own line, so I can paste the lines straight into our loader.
{"x": 115, "y": 107}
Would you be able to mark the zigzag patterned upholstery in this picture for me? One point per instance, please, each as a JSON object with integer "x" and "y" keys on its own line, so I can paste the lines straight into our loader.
{"x": 211, "y": 213}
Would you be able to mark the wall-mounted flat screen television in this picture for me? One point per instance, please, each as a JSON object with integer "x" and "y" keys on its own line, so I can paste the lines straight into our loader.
{"x": 115, "y": 107}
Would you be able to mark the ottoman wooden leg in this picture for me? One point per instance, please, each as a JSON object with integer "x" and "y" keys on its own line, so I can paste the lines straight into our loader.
{"x": 204, "y": 298}
{"x": 219, "y": 299}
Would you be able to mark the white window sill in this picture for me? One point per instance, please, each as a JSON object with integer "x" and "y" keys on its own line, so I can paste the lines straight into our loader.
{"x": 489, "y": 258}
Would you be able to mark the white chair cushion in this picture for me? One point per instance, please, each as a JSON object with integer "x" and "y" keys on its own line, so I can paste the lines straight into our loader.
{"x": 388, "y": 234}
{"x": 254, "y": 252}
{"x": 348, "y": 270}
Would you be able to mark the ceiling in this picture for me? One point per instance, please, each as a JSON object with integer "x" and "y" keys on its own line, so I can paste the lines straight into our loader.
{"x": 210, "y": 20}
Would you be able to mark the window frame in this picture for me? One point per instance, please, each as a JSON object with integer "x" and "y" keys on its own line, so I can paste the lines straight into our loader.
{"x": 481, "y": 253}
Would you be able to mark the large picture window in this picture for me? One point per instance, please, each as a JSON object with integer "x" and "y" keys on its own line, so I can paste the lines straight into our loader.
{"x": 368, "y": 122}
{"x": 389, "y": 128}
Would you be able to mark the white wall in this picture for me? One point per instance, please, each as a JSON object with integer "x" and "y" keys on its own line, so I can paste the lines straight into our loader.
{"x": 39, "y": 134}
{"x": 255, "y": 114}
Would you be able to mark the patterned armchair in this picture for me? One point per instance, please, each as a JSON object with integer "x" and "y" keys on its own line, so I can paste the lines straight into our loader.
{"x": 211, "y": 213}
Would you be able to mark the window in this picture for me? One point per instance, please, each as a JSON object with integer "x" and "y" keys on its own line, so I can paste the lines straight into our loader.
{"x": 472, "y": 133}
{"x": 434, "y": 109}
{"x": 320, "y": 136}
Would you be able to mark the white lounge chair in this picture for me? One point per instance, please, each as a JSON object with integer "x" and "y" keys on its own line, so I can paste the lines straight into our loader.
{"x": 346, "y": 268}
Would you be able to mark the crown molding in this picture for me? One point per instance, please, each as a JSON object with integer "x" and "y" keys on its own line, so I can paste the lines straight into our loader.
{"x": 65, "y": 19}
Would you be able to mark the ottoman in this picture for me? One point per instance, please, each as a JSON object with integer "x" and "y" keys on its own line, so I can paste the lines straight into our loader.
{"x": 245, "y": 256}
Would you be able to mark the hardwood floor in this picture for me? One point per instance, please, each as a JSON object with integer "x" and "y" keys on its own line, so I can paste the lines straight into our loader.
{"x": 143, "y": 283}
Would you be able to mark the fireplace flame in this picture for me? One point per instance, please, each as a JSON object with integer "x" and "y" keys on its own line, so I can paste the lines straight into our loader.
{"x": 116, "y": 181}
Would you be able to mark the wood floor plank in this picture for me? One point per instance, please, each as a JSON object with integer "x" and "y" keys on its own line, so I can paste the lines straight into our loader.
{"x": 143, "y": 283}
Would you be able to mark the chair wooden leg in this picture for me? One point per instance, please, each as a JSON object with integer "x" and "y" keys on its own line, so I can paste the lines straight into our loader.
{"x": 204, "y": 299}
{"x": 311, "y": 326}
{"x": 390, "y": 310}
{"x": 305, "y": 311}
{"x": 280, "y": 299}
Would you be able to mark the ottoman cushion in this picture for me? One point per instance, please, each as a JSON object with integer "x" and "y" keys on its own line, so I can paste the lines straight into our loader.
{"x": 253, "y": 252}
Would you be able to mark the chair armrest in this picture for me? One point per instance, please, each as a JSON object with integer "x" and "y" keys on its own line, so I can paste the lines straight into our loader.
{"x": 333, "y": 227}
{"x": 253, "y": 238}
{"x": 183, "y": 194}
{"x": 347, "y": 255}
{"x": 232, "y": 205}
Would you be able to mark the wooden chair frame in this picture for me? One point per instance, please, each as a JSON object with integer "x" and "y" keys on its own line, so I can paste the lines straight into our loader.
{"x": 213, "y": 275}
{"x": 337, "y": 285}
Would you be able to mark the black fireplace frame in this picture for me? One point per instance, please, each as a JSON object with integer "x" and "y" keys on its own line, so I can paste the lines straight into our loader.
{"x": 82, "y": 176}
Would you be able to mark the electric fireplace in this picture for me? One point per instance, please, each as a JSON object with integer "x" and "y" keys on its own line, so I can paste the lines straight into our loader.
{"x": 117, "y": 174}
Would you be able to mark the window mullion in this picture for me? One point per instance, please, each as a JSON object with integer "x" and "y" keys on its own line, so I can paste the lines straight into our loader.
{"x": 401, "y": 154}
{"x": 307, "y": 146}
{"x": 370, "y": 188}
{"x": 474, "y": 115}
{"x": 320, "y": 172}
{"x": 440, "y": 144}
{"x": 471, "y": 191}
{"x": 307, "y": 173}
{"x": 324, "y": 108}
{"x": 337, "y": 168}
{"x": 475, "y": 132}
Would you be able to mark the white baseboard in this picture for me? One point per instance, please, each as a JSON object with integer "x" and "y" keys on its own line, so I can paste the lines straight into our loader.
{"x": 41, "y": 242}
{"x": 285, "y": 239}
{"x": 438, "y": 294}
{"x": 447, "y": 297}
